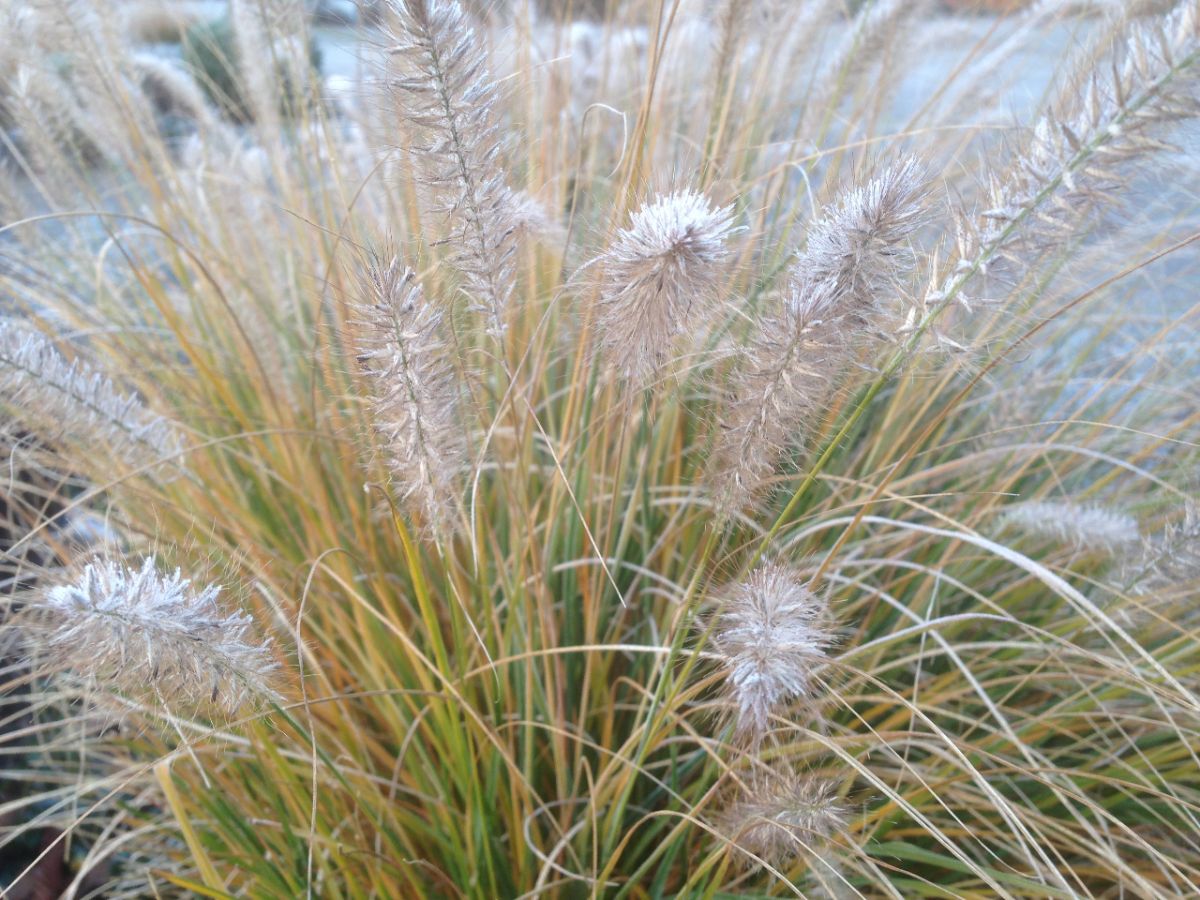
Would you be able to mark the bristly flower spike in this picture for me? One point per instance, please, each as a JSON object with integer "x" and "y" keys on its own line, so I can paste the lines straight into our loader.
{"x": 841, "y": 287}
{"x": 1089, "y": 528}
{"x": 72, "y": 402}
{"x": 771, "y": 635}
{"x": 782, "y": 814}
{"x": 441, "y": 88}
{"x": 659, "y": 277}
{"x": 415, "y": 406}
{"x": 156, "y": 637}
{"x": 1108, "y": 115}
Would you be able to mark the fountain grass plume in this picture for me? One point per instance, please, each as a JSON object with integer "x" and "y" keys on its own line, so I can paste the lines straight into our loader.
{"x": 72, "y": 402}
{"x": 771, "y": 633}
{"x": 875, "y": 24}
{"x": 172, "y": 87}
{"x": 659, "y": 280}
{"x": 783, "y": 816}
{"x": 1109, "y": 115}
{"x": 439, "y": 86}
{"x": 842, "y": 287}
{"x": 154, "y": 637}
{"x": 1169, "y": 561}
{"x": 415, "y": 391}
{"x": 1091, "y": 528}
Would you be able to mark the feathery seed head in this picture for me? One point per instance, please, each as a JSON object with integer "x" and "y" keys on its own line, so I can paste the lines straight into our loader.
{"x": 415, "y": 391}
{"x": 155, "y": 636}
{"x": 441, "y": 89}
{"x": 876, "y": 23}
{"x": 171, "y": 88}
{"x": 837, "y": 289}
{"x": 659, "y": 276}
{"x": 271, "y": 51}
{"x": 783, "y": 814}
{"x": 1169, "y": 561}
{"x": 772, "y": 633}
{"x": 70, "y": 401}
{"x": 1086, "y": 528}
{"x": 858, "y": 248}
{"x": 530, "y": 219}
{"x": 1107, "y": 116}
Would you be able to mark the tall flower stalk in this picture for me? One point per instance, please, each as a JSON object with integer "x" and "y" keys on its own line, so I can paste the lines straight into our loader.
{"x": 73, "y": 402}
{"x": 1068, "y": 156}
{"x": 771, "y": 635}
{"x": 659, "y": 278}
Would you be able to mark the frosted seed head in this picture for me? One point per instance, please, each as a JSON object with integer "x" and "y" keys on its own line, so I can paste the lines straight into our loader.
{"x": 415, "y": 392}
{"x": 858, "y": 248}
{"x": 155, "y": 637}
{"x": 74, "y": 403}
{"x": 1086, "y": 528}
{"x": 782, "y": 815}
{"x": 659, "y": 277}
{"x": 772, "y": 635}
{"x": 837, "y": 296}
{"x": 439, "y": 88}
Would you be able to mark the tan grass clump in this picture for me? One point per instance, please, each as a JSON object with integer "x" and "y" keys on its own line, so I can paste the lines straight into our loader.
{"x": 737, "y": 537}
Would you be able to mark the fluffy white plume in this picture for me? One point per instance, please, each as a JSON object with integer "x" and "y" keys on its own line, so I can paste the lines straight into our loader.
{"x": 782, "y": 814}
{"x": 1092, "y": 528}
{"x": 842, "y": 284}
{"x": 659, "y": 277}
{"x": 154, "y": 636}
{"x": 771, "y": 635}
{"x": 441, "y": 88}
{"x": 416, "y": 393}
{"x": 71, "y": 402}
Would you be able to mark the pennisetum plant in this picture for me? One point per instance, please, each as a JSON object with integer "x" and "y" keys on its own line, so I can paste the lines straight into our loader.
{"x": 772, "y": 635}
{"x": 842, "y": 288}
{"x": 1091, "y": 527}
{"x": 73, "y": 403}
{"x": 884, "y": 588}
